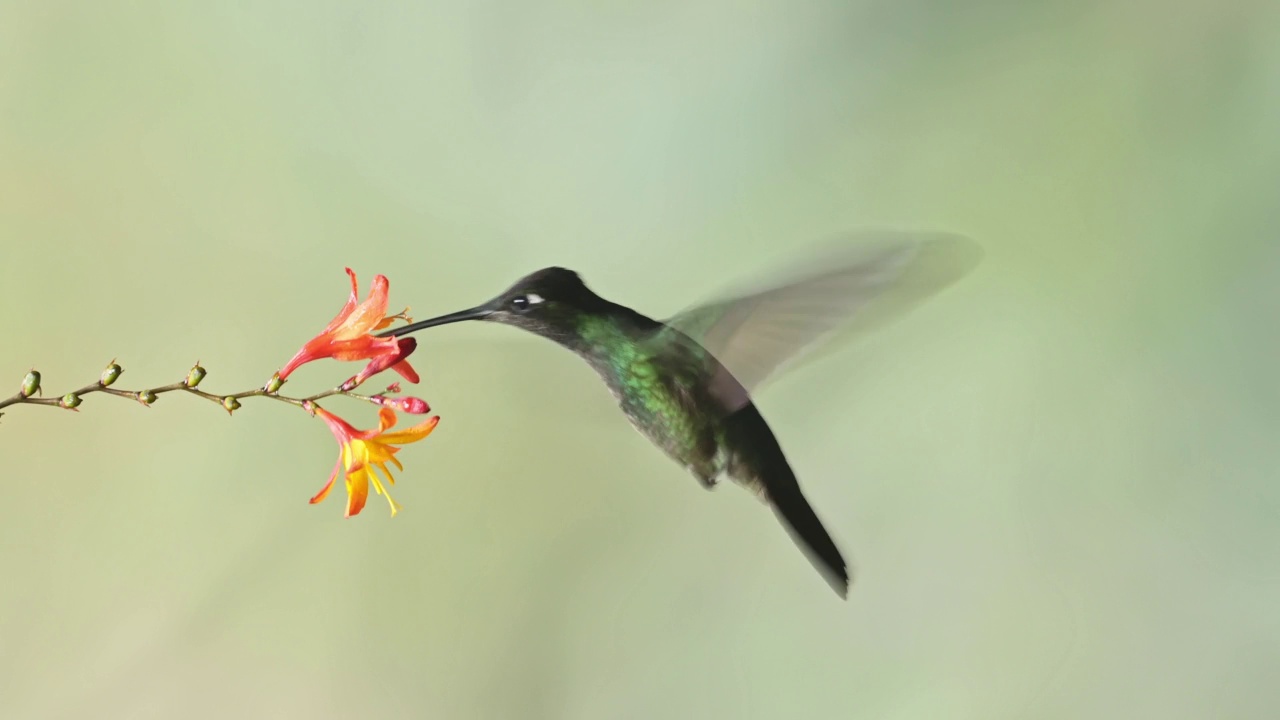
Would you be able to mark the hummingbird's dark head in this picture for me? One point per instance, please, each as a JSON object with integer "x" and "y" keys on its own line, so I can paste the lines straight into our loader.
{"x": 548, "y": 302}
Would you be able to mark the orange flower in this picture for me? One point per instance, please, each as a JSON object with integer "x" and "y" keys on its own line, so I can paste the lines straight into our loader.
{"x": 349, "y": 337}
{"x": 364, "y": 450}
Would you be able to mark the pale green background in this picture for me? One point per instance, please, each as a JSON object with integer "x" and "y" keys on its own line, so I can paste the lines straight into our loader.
{"x": 1058, "y": 480}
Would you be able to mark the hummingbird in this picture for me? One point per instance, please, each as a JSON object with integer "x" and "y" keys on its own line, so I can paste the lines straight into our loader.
{"x": 686, "y": 382}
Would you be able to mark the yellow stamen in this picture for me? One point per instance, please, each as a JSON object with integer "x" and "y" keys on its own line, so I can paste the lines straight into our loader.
{"x": 378, "y": 487}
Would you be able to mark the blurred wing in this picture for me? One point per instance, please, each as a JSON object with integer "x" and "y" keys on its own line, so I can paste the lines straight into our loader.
{"x": 861, "y": 280}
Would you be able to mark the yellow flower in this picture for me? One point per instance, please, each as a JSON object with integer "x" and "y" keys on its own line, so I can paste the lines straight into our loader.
{"x": 364, "y": 450}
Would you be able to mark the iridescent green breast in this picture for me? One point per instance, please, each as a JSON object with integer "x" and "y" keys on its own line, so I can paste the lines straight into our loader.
{"x": 661, "y": 388}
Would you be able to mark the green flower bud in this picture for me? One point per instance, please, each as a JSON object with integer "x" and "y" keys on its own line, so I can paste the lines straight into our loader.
{"x": 231, "y": 404}
{"x": 70, "y": 401}
{"x": 30, "y": 384}
{"x": 110, "y": 374}
{"x": 195, "y": 376}
{"x": 146, "y": 397}
{"x": 274, "y": 384}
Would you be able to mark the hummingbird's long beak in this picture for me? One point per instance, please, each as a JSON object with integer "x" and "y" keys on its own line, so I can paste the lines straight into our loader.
{"x": 478, "y": 312}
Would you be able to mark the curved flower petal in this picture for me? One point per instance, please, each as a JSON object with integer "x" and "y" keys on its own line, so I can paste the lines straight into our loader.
{"x": 341, "y": 428}
{"x": 386, "y": 419}
{"x": 406, "y": 371}
{"x": 347, "y": 309}
{"x": 324, "y": 491}
{"x": 367, "y": 314}
{"x": 413, "y": 434}
{"x": 357, "y": 490}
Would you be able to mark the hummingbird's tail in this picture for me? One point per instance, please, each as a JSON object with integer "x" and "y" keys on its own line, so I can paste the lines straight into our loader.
{"x": 759, "y": 464}
{"x": 802, "y": 522}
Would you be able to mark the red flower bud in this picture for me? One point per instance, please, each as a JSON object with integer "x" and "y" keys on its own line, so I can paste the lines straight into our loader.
{"x": 408, "y": 404}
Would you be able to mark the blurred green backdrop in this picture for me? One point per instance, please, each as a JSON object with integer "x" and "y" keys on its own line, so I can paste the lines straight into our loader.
{"x": 1057, "y": 480}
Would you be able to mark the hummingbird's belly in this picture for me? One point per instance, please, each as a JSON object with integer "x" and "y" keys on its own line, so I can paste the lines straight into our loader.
{"x": 666, "y": 415}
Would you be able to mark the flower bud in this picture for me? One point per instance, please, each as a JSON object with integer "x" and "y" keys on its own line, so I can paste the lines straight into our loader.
{"x": 274, "y": 384}
{"x": 30, "y": 384}
{"x": 146, "y": 397}
{"x": 393, "y": 388}
{"x": 231, "y": 404}
{"x": 408, "y": 404}
{"x": 70, "y": 401}
{"x": 110, "y": 374}
{"x": 194, "y": 376}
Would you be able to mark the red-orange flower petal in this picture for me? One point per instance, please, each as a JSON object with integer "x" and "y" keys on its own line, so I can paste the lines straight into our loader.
{"x": 367, "y": 314}
{"x": 346, "y": 310}
{"x": 386, "y": 420}
{"x": 341, "y": 429}
{"x": 404, "y": 348}
{"x": 406, "y": 371}
{"x": 324, "y": 491}
{"x": 347, "y": 337}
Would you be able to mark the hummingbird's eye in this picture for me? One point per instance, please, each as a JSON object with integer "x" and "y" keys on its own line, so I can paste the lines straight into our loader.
{"x": 522, "y": 303}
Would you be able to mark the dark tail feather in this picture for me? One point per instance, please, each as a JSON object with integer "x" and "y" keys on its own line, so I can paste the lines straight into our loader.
{"x": 806, "y": 529}
{"x": 759, "y": 464}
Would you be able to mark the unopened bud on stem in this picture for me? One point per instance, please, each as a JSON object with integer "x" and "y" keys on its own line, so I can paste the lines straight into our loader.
{"x": 30, "y": 384}
{"x": 110, "y": 374}
{"x": 194, "y": 377}
{"x": 406, "y": 404}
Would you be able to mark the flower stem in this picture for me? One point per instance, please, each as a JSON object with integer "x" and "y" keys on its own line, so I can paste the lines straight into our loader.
{"x": 71, "y": 400}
